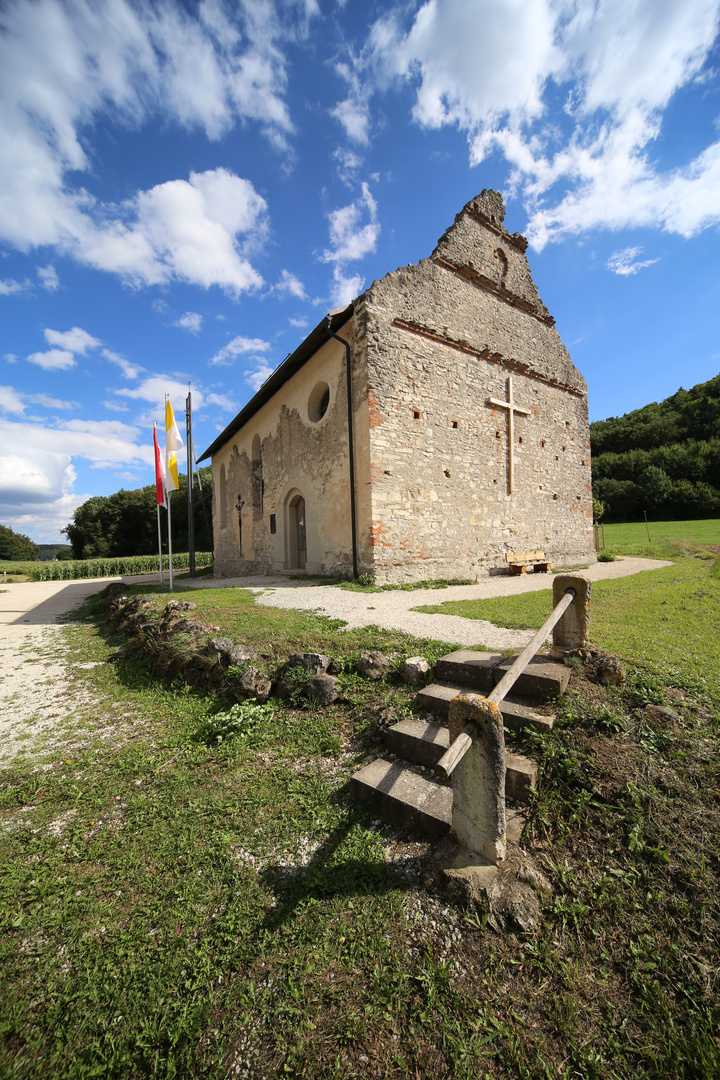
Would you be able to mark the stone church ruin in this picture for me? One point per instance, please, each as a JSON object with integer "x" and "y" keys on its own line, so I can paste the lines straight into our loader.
{"x": 430, "y": 429}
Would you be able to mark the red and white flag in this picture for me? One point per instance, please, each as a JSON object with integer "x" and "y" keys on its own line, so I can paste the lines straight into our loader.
{"x": 160, "y": 485}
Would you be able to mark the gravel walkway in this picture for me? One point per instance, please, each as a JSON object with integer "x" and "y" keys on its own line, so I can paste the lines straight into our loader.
{"x": 392, "y": 610}
{"x": 36, "y": 696}
{"x": 38, "y": 699}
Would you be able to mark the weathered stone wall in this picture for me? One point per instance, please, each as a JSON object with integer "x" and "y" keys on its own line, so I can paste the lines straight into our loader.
{"x": 300, "y": 456}
{"x": 431, "y": 344}
{"x": 443, "y": 337}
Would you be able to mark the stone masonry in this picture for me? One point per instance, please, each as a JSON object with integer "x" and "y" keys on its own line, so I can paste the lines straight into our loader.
{"x": 431, "y": 345}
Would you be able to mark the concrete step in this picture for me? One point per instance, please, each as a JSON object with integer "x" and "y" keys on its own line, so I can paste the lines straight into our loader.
{"x": 520, "y": 777}
{"x": 542, "y": 677}
{"x": 404, "y": 799}
{"x": 409, "y": 802}
{"x": 436, "y": 699}
{"x": 468, "y": 668}
{"x": 418, "y": 741}
{"x": 424, "y": 744}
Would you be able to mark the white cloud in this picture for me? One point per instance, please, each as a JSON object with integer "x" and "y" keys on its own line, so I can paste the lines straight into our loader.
{"x": 349, "y": 237}
{"x": 354, "y": 117}
{"x": 627, "y": 262}
{"x": 130, "y": 371}
{"x": 351, "y": 240}
{"x": 256, "y": 376}
{"x": 300, "y": 323}
{"x": 11, "y": 401}
{"x": 346, "y": 287}
{"x": 221, "y": 401}
{"x": 191, "y": 321}
{"x": 237, "y": 347}
{"x": 51, "y": 402}
{"x": 10, "y": 287}
{"x": 36, "y": 482}
{"x": 154, "y": 388}
{"x": 496, "y": 69}
{"x": 48, "y": 278}
{"x": 74, "y": 341}
{"x": 10, "y": 357}
{"x": 348, "y": 164}
{"x": 290, "y": 284}
{"x": 115, "y": 406}
{"x": 53, "y": 359}
{"x": 66, "y": 67}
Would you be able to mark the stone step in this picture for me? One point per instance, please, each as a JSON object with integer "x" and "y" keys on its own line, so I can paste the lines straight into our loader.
{"x": 468, "y": 668}
{"x": 520, "y": 777}
{"x": 409, "y": 802}
{"x": 436, "y": 699}
{"x": 542, "y": 677}
{"x": 404, "y": 799}
{"x": 425, "y": 743}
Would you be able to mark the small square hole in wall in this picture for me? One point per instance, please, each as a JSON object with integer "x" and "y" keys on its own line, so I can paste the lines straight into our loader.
{"x": 542, "y": 442}
{"x": 447, "y": 473}
{"x": 497, "y": 434}
{"x": 273, "y": 523}
{"x": 416, "y": 414}
{"x": 520, "y": 439}
{"x": 563, "y": 448}
{"x": 453, "y": 423}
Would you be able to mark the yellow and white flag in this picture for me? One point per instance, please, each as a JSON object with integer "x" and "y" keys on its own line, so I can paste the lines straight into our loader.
{"x": 173, "y": 443}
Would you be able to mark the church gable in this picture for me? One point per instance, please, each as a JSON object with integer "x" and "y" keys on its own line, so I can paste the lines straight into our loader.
{"x": 480, "y": 443}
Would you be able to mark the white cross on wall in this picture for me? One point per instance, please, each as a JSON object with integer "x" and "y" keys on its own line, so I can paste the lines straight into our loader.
{"x": 512, "y": 408}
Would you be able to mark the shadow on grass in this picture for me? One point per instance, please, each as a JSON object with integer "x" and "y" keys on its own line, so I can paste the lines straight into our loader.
{"x": 330, "y": 875}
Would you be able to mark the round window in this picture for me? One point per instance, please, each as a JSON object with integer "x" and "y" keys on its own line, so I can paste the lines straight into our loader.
{"x": 318, "y": 402}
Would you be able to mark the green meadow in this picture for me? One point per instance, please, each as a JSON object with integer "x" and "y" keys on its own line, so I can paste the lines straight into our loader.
{"x": 176, "y": 904}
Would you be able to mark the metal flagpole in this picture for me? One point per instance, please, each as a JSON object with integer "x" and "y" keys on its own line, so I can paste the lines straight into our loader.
{"x": 157, "y": 504}
{"x": 169, "y": 540}
{"x": 168, "y": 496}
{"x": 191, "y": 522}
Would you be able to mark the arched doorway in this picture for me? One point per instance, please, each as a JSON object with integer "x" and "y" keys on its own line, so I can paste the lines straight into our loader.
{"x": 296, "y": 533}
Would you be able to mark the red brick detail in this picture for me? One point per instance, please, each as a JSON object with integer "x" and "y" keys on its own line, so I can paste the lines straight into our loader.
{"x": 376, "y": 532}
{"x": 376, "y": 416}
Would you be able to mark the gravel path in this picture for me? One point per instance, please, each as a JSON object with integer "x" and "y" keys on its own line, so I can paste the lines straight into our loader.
{"x": 37, "y": 697}
{"x": 392, "y": 610}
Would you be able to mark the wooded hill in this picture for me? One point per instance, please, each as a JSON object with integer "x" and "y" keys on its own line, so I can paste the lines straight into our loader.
{"x": 16, "y": 547}
{"x": 126, "y": 523}
{"x": 663, "y": 459}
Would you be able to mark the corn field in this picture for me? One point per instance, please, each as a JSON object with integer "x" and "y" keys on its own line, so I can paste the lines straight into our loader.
{"x": 95, "y": 568}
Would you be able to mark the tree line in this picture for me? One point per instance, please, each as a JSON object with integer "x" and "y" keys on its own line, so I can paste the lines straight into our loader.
{"x": 16, "y": 547}
{"x": 125, "y": 523}
{"x": 663, "y": 458}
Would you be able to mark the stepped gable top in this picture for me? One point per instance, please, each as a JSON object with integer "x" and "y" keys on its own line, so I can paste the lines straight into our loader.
{"x": 498, "y": 263}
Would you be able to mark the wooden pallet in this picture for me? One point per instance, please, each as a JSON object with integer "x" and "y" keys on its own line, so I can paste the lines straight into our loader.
{"x": 518, "y": 562}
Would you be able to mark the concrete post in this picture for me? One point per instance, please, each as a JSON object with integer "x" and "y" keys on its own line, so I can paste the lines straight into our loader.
{"x": 478, "y": 781}
{"x": 573, "y": 629}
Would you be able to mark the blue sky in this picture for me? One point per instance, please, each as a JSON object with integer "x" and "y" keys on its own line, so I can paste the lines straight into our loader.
{"x": 187, "y": 188}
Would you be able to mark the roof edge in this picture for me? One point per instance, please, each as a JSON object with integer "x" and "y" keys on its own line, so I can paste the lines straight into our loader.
{"x": 292, "y": 363}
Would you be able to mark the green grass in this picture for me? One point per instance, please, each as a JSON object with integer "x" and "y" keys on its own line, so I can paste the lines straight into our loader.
{"x": 667, "y": 620}
{"x": 632, "y": 538}
{"x": 171, "y": 907}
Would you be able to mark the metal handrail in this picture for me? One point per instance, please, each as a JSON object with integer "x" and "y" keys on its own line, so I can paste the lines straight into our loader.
{"x": 460, "y": 746}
